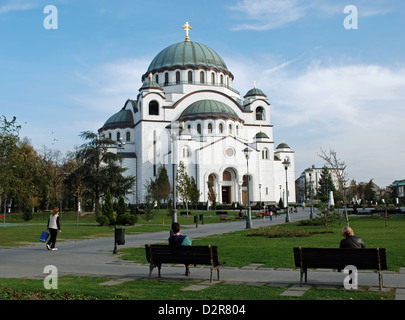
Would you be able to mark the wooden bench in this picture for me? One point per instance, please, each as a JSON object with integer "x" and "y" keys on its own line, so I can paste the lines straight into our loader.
{"x": 339, "y": 258}
{"x": 224, "y": 217}
{"x": 157, "y": 254}
{"x": 238, "y": 217}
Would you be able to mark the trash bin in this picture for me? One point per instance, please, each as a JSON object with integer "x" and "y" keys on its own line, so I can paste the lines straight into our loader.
{"x": 202, "y": 218}
{"x": 119, "y": 236}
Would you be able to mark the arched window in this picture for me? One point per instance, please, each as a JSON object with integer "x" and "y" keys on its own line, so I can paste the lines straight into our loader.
{"x": 210, "y": 128}
{"x": 166, "y": 79}
{"x": 226, "y": 176}
{"x": 190, "y": 76}
{"x": 221, "y": 128}
{"x": 118, "y": 136}
{"x": 230, "y": 129}
{"x": 222, "y": 79}
{"x": 202, "y": 80}
{"x": 199, "y": 128}
{"x": 128, "y": 136}
{"x": 213, "y": 78}
{"x": 153, "y": 108}
{"x": 237, "y": 130}
{"x": 186, "y": 152}
{"x": 265, "y": 154}
{"x": 260, "y": 113}
{"x": 177, "y": 77}
{"x": 157, "y": 78}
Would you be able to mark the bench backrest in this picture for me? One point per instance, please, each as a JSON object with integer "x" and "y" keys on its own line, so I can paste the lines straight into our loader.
{"x": 339, "y": 258}
{"x": 156, "y": 253}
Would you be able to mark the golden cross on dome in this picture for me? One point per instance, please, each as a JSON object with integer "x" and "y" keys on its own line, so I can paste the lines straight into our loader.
{"x": 254, "y": 84}
{"x": 187, "y": 27}
{"x": 150, "y": 77}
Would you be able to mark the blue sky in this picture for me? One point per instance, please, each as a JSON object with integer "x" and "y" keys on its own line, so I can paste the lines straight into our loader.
{"x": 329, "y": 87}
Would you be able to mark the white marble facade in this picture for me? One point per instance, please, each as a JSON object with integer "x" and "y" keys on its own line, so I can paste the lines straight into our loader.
{"x": 188, "y": 84}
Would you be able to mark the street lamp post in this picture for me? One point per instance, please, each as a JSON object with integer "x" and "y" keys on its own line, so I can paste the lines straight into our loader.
{"x": 247, "y": 151}
{"x": 174, "y": 129}
{"x": 311, "y": 215}
{"x": 286, "y": 164}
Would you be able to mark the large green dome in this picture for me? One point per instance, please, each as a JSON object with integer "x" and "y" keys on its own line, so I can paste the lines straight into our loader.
{"x": 186, "y": 54}
{"x": 122, "y": 119}
{"x": 204, "y": 109}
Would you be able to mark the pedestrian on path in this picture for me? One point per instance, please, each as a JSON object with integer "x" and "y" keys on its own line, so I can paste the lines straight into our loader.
{"x": 53, "y": 227}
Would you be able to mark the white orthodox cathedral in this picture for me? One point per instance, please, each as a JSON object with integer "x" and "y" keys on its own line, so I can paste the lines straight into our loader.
{"x": 188, "y": 111}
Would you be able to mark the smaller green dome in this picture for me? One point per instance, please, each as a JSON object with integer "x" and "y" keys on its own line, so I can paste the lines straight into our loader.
{"x": 283, "y": 146}
{"x": 261, "y": 135}
{"x": 254, "y": 92}
{"x": 122, "y": 119}
{"x": 150, "y": 85}
{"x": 204, "y": 109}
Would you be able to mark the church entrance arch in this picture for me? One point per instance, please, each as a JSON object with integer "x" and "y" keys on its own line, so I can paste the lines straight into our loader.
{"x": 229, "y": 185}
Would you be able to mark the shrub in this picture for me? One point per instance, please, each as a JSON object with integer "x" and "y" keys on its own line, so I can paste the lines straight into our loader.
{"x": 103, "y": 220}
{"x": 127, "y": 219}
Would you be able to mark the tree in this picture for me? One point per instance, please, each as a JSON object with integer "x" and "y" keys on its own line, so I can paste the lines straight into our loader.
{"x": 101, "y": 169}
{"x": 338, "y": 167}
{"x": 163, "y": 187}
{"x": 194, "y": 192}
{"x": 9, "y": 138}
{"x": 183, "y": 185}
{"x": 107, "y": 216}
{"x": 369, "y": 192}
{"x": 325, "y": 185}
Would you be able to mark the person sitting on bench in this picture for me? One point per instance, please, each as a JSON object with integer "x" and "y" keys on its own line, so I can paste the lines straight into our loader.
{"x": 350, "y": 241}
{"x": 178, "y": 239}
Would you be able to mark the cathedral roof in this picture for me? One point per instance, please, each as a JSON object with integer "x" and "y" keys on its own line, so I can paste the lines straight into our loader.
{"x": 283, "y": 146}
{"x": 186, "y": 54}
{"x": 204, "y": 109}
{"x": 122, "y": 119}
{"x": 254, "y": 92}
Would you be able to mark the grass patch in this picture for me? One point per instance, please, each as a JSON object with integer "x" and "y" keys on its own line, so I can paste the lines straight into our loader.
{"x": 90, "y": 288}
{"x": 284, "y": 232}
{"x": 239, "y": 249}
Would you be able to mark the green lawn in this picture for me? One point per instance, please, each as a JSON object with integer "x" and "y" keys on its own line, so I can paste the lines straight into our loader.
{"x": 239, "y": 249}
{"x": 21, "y": 232}
{"x": 89, "y": 288}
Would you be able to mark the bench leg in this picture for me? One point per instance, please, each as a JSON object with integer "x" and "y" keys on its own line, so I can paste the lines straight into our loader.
{"x": 303, "y": 273}
{"x": 150, "y": 270}
{"x": 211, "y": 274}
{"x": 218, "y": 273}
{"x": 380, "y": 279}
{"x": 159, "y": 267}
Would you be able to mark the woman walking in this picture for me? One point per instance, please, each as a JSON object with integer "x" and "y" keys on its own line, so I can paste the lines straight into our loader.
{"x": 53, "y": 227}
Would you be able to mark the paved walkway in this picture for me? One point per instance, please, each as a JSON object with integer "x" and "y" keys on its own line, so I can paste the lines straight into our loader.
{"x": 95, "y": 258}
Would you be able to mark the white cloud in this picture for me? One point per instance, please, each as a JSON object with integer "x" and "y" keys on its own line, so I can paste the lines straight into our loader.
{"x": 357, "y": 109}
{"x": 17, "y": 6}
{"x": 272, "y": 14}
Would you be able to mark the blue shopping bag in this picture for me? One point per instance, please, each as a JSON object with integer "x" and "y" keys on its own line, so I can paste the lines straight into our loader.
{"x": 44, "y": 236}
